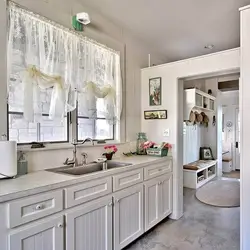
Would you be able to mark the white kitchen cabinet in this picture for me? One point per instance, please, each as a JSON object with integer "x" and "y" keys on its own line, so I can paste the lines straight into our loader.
{"x": 158, "y": 200}
{"x": 48, "y": 235}
{"x": 128, "y": 216}
{"x": 151, "y": 203}
{"x": 89, "y": 227}
{"x": 166, "y": 191}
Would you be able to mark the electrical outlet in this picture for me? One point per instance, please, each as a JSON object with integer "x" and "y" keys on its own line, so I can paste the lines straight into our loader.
{"x": 166, "y": 132}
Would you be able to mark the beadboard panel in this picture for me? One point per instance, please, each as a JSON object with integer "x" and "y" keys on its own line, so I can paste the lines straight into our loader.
{"x": 90, "y": 226}
{"x": 193, "y": 139}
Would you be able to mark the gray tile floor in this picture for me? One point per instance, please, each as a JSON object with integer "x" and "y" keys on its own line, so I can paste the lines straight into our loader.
{"x": 201, "y": 227}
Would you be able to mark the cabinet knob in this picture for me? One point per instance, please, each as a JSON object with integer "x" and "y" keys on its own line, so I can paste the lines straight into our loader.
{"x": 110, "y": 204}
{"x": 39, "y": 207}
{"x": 117, "y": 200}
{"x": 60, "y": 225}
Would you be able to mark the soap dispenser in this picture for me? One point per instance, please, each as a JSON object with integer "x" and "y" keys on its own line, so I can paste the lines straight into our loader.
{"x": 22, "y": 164}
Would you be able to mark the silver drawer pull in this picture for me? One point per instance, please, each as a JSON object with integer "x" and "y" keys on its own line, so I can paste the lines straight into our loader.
{"x": 39, "y": 207}
{"x": 60, "y": 225}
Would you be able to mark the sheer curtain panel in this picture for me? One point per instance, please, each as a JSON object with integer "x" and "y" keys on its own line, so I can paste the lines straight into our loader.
{"x": 46, "y": 57}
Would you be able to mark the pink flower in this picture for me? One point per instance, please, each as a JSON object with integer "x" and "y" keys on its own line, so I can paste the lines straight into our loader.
{"x": 110, "y": 149}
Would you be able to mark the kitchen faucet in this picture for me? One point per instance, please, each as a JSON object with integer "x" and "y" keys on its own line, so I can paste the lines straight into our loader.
{"x": 74, "y": 161}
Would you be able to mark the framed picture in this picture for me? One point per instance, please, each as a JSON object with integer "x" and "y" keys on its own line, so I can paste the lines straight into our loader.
{"x": 206, "y": 153}
{"x": 155, "y": 91}
{"x": 155, "y": 114}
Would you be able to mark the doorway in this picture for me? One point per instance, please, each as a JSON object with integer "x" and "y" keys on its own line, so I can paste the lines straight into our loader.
{"x": 220, "y": 133}
{"x": 230, "y": 134}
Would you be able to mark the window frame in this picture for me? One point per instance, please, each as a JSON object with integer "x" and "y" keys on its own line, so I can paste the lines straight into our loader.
{"x": 94, "y": 120}
{"x": 38, "y": 129}
{"x": 72, "y": 128}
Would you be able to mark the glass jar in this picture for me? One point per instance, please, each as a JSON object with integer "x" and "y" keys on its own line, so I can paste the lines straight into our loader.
{"x": 139, "y": 145}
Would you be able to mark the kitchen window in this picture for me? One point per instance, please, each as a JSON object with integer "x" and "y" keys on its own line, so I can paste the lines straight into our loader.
{"x": 51, "y": 70}
{"x": 97, "y": 128}
{"x": 46, "y": 130}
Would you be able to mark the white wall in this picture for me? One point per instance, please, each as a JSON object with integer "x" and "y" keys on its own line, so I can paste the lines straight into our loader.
{"x": 3, "y": 68}
{"x": 245, "y": 125}
{"x": 172, "y": 100}
{"x": 134, "y": 55}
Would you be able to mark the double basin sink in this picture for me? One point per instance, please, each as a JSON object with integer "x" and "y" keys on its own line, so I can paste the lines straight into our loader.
{"x": 88, "y": 168}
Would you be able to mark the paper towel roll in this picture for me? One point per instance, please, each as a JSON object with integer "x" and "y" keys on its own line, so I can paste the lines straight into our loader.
{"x": 8, "y": 158}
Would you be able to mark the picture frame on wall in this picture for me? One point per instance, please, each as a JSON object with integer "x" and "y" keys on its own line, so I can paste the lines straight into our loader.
{"x": 206, "y": 153}
{"x": 155, "y": 114}
{"x": 155, "y": 91}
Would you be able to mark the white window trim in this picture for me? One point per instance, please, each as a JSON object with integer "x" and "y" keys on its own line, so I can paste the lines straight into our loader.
{"x": 72, "y": 135}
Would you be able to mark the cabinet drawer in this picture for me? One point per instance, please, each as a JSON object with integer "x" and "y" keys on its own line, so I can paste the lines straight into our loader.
{"x": 127, "y": 179}
{"x": 157, "y": 169}
{"x": 34, "y": 207}
{"x": 87, "y": 191}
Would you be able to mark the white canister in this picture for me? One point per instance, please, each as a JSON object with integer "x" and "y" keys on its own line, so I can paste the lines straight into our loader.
{"x": 8, "y": 159}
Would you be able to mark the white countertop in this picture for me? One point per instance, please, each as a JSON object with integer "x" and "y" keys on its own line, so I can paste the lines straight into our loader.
{"x": 42, "y": 181}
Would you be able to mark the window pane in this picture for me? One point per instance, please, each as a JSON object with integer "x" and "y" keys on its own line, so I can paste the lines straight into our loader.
{"x": 20, "y": 130}
{"x": 51, "y": 130}
{"x": 85, "y": 128}
{"x": 104, "y": 130}
{"x": 95, "y": 129}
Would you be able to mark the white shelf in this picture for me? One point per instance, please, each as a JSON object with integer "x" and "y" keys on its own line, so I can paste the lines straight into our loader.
{"x": 191, "y": 176}
{"x": 195, "y": 99}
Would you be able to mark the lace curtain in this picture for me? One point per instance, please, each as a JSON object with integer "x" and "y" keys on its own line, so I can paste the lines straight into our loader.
{"x": 46, "y": 57}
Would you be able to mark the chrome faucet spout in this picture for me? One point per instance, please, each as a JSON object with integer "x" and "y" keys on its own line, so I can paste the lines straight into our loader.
{"x": 87, "y": 140}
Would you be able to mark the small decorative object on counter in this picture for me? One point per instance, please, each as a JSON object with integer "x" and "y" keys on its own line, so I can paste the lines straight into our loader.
{"x": 110, "y": 151}
{"x": 160, "y": 150}
{"x": 22, "y": 165}
{"x": 142, "y": 138}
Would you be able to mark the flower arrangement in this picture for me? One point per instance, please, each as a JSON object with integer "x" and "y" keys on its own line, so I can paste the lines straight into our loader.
{"x": 157, "y": 150}
{"x": 148, "y": 144}
{"x": 167, "y": 145}
{"x": 109, "y": 151}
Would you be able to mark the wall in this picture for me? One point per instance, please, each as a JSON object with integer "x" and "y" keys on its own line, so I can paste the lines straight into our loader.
{"x": 172, "y": 75}
{"x": 3, "y": 68}
{"x": 134, "y": 55}
{"x": 244, "y": 128}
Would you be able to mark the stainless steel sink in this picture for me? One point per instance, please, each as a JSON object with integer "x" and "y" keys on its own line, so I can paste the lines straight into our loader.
{"x": 89, "y": 168}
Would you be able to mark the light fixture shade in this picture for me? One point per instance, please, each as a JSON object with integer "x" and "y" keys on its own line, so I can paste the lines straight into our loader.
{"x": 83, "y": 18}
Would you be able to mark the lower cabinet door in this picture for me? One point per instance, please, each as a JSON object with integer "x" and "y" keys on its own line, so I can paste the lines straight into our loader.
{"x": 47, "y": 235}
{"x": 128, "y": 216}
{"x": 152, "y": 203}
{"x": 89, "y": 226}
{"x": 166, "y": 192}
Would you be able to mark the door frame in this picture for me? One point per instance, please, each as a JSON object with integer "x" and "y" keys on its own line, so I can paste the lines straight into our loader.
{"x": 235, "y": 137}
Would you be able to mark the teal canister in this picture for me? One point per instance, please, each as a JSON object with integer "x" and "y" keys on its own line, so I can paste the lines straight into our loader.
{"x": 142, "y": 138}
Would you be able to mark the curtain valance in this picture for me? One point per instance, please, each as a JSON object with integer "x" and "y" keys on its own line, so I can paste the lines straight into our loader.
{"x": 46, "y": 57}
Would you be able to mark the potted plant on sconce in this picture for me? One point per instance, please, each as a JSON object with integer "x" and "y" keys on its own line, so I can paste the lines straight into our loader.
{"x": 110, "y": 150}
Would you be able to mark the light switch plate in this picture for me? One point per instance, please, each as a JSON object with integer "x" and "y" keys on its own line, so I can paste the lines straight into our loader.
{"x": 166, "y": 132}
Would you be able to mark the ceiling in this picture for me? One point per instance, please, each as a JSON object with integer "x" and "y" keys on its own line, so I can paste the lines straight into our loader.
{"x": 178, "y": 29}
